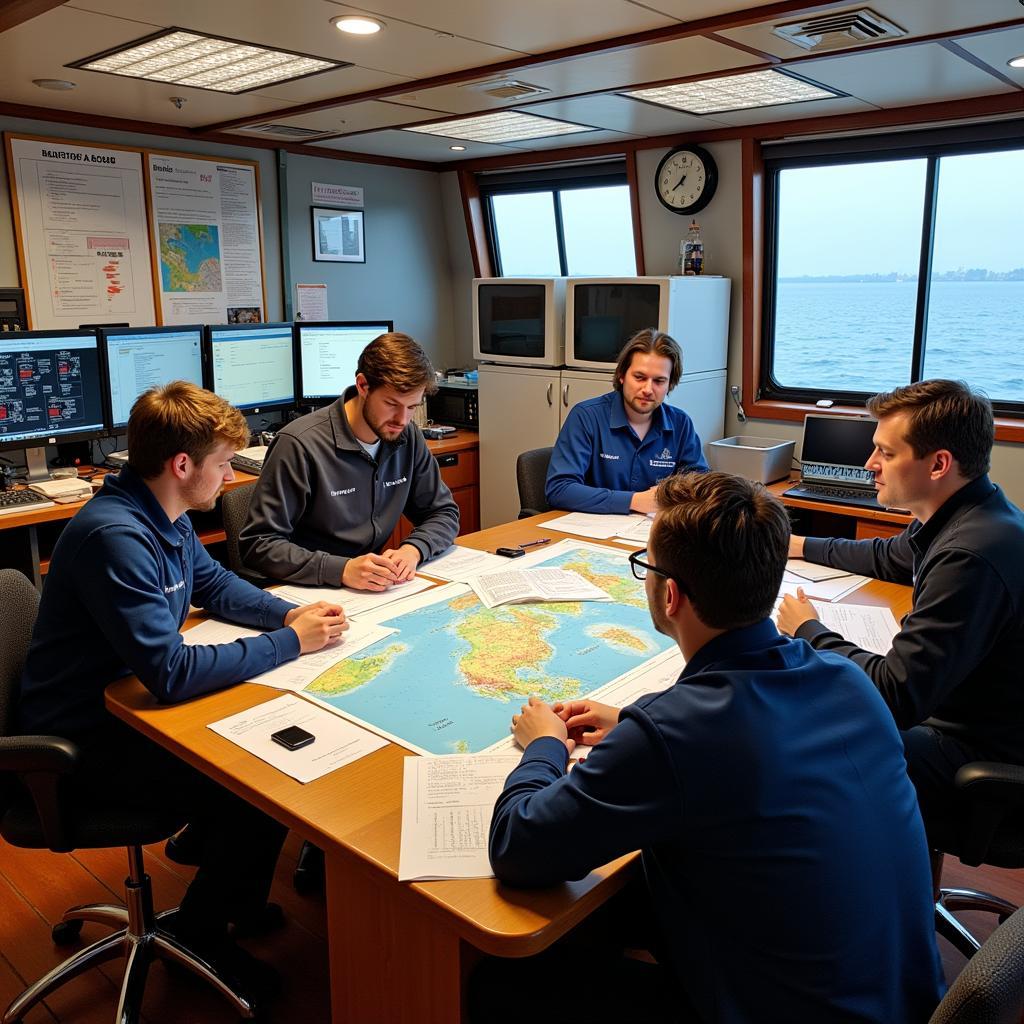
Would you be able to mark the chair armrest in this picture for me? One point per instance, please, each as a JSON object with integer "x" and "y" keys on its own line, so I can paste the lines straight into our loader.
{"x": 994, "y": 791}
{"x": 525, "y": 513}
{"x": 42, "y": 763}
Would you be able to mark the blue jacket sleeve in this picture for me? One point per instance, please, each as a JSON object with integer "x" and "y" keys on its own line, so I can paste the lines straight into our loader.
{"x": 566, "y": 486}
{"x": 550, "y": 827}
{"x": 885, "y": 558}
{"x": 125, "y": 592}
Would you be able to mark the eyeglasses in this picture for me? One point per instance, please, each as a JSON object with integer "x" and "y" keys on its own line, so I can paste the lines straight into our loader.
{"x": 641, "y": 568}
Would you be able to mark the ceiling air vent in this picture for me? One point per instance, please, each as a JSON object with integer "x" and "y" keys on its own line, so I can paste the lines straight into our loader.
{"x": 507, "y": 89}
{"x": 284, "y": 131}
{"x": 839, "y": 29}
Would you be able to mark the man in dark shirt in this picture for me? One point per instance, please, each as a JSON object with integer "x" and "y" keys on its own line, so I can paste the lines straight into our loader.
{"x": 782, "y": 846}
{"x": 953, "y": 676}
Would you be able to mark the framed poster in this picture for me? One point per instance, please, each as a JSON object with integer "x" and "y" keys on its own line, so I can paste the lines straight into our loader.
{"x": 207, "y": 239}
{"x": 80, "y": 224}
{"x": 338, "y": 235}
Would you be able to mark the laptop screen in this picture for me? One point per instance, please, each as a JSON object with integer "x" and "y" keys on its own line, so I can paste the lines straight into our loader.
{"x": 835, "y": 449}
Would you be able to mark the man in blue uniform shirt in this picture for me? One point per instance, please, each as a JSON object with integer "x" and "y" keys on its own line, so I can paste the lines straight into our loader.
{"x": 122, "y": 577}
{"x": 612, "y": 451}
{"x": 782, "y": 847}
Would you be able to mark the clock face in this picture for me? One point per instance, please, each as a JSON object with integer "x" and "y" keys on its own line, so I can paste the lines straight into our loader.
{"x": 686, "y": 179}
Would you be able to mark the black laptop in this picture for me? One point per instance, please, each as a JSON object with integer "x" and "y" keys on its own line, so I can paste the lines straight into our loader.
{"x": 832, "y": 455}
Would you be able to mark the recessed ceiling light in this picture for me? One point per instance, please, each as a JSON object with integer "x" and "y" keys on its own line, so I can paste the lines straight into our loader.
{"x": 457, "y": 149}
{"x": 357, "y": 25}
{"x": 734, "y": 92}
{"x": 1016, "y": 62}
{"x": 56, "y": 84}
{"x": 507, "y": 126}
{"x": 175, "y": 56}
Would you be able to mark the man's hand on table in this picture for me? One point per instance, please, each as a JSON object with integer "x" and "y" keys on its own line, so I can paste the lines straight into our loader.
{"x": 587, "y": 721}
{"x": 404, "y": 559}
{"x": 370, "y": 572}
{"x": 536, "y": 720}
{"x": 316, "y": 625}
{"x": 643, "y": 501}
{"x": 794, "y": 612}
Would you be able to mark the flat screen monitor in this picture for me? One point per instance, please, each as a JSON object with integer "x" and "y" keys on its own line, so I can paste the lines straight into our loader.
{"x": 328, "y": 354}
{"x": 252, "y": 366}
{"x": 50, "y": 390}
{"x": 835, "y": 448}
{"x": 140, "y": 358}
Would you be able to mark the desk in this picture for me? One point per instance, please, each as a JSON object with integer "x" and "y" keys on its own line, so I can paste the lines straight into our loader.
{"x": 829, "y": 520}
{"x": 399, "y": 952}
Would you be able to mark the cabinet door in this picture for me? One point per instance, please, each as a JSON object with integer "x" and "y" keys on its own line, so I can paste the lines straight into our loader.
{"x": 578, "y": 387}
{"x": 518, "y": 411}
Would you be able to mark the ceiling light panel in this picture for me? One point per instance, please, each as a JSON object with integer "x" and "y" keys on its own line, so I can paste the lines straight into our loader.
{"x": 506, "y": 126}
{"x": 734, "y": 92}
{"x": 179, "y": 57}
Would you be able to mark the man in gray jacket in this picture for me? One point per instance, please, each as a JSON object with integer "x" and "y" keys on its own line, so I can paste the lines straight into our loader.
{"x": 335, "y": 483}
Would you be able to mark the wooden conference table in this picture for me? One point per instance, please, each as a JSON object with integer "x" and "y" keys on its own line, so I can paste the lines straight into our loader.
{"x": 399, "y": 952}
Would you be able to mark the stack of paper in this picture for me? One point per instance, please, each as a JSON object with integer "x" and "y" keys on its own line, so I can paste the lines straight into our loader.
{"x": 524, "y": 586}
{"x": 354, "y": 602}
{"x": 586, "y": 524}
{"x": 459, "y": 564}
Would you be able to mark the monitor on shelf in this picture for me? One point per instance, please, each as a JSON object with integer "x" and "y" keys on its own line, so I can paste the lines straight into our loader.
{"x": 603, "y": 313}
{"x": 328, "y": 353}
{"x": 519, "y": 320}
{"x": 252, "y": 366}
{"x": 139, "y": 358}
{"x": 51, "y": 391}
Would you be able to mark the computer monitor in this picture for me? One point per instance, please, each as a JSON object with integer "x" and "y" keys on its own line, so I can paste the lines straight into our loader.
{"x": 328, "y": 354}
{"x": 252, "y": 366}
{"x": 139, "y": 358}
{"x": 50, "y": 391}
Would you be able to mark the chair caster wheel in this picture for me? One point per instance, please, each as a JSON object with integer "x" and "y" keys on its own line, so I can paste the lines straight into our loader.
{"x": 66, "y": 933}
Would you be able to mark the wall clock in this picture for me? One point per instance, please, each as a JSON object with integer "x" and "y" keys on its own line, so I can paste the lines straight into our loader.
{"x": 686, "y": 179}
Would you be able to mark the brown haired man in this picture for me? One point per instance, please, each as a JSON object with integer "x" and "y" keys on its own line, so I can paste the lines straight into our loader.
{"x": 785, "y": 871}
{"x": 952, "y": 677}
{"x": 123, "y": 574}
{"x": 335, "y": 482}
{"x": 612, "y": 451}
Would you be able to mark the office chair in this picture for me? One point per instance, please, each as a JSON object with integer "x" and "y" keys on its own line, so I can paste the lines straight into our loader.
{"x": 531, "y": 474}
{"x": 990, "y": 989}
{"x": 990, "y": 831}
{"x": 37, "y": 813}
{"x": 234, "y": 509}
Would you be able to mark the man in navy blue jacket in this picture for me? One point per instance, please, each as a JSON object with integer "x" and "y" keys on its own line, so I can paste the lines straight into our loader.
{"x": 612, "y": 451}
{"x": 123, "y": 574}
{"x": 782, "y": 846}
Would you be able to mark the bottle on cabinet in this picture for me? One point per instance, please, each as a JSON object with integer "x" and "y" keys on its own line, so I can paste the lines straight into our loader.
{"x": 691, "y": 252}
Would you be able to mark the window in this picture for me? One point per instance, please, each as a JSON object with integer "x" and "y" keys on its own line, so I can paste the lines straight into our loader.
{"x": 563, "y": 221}
{"x": 889, "y": 265}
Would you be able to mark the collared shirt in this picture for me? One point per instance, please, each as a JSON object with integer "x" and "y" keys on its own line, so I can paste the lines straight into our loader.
{"x": 957, "y": 658}
{"x": 599, "y": 463}
{"x": 781, "y": 837}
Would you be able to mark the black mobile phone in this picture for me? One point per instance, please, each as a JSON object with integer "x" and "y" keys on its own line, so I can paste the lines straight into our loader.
{"x": 292, "y": 737}
{"x": 510, "y": 552}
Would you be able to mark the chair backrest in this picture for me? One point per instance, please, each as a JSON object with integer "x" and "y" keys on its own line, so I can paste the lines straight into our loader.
{"x": 990, "y": 989}
{"x": 234, "y": 508}
{"x": 531, "y": 474}
{"x": 19, "y": 603}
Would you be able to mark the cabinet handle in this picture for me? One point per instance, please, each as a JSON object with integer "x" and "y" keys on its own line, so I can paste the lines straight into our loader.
{"x": 549, "y": 394}
{"x": 444, "y": 461}
{"x": 565, "y": 395}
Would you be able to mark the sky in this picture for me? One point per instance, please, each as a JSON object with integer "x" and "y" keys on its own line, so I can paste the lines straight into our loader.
{"x": 866, "y": 218}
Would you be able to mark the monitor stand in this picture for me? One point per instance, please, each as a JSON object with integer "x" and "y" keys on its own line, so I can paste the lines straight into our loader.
{"x": 38, "y": 470}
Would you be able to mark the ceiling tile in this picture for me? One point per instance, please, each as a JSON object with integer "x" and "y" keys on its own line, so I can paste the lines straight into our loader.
{"x": 411, "y": 146}
{"x": 996, "y": 48}
{"x": 793, "y": 111}
{"x": 594, "y": 138}
{"x": 359, "y": 117}
{"x": 623, "y": 115}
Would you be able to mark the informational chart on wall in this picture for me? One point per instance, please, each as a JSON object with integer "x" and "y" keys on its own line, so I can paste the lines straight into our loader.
{"x": 205, "y": 231}
{"x": 83, "y": 246}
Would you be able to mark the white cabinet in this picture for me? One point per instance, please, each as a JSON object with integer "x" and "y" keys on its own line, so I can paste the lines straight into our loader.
{"x": 522, "y": 408}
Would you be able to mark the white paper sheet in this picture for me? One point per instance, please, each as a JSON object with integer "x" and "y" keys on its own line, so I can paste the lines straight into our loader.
{"x": 459, "y": 564}
{"x": 637, "y": 532}
{"x": 823, "y": 590}
{"x": 447, "y": 803}
{"x": 298, "y": 674}
{"x": 800, "y": 569}
{"x": 588, "y": 524}
{"x": 337, "y": 742}
{"x": 867, "y": 626}
{"x": 522, "y": 586}
{"x": 355, "y": 602}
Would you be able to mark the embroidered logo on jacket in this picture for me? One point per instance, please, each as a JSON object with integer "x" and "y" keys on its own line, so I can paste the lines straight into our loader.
{"x": 344, "y": 490}
{"x": 180, "y": 585}
{"x": 395, "y": 483}
{"x": 605, "y": 455}
{"x": 665, "y": 454}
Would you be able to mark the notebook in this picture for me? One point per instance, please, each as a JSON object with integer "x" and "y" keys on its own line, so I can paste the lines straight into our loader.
{"x": 832, "y": 454}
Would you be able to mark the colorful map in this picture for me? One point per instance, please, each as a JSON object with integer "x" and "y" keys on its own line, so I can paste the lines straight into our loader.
{"x": 190, "y": 258}
{"x": 450, "y": 679}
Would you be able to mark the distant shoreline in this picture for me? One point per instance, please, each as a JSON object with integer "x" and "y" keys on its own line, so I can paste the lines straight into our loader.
{"x": 957, "y": 276}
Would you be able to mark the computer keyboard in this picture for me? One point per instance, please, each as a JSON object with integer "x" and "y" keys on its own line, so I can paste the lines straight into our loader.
{"x": 830, "y": 492}
{"x": 22, "y": 501}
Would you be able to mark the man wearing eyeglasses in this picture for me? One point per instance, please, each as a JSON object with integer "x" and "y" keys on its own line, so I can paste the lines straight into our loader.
{"x": 785, "y": 865}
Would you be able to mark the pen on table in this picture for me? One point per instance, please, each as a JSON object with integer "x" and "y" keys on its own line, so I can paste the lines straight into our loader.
{"x": 536, "y": 543}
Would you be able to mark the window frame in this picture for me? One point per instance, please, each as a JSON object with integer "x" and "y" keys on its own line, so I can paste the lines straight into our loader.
{"x": 553, "y": 180}
{"x": 931, "y": 145}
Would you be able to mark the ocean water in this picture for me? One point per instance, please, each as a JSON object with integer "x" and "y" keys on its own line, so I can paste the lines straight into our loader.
{"x": 860, "y": 336}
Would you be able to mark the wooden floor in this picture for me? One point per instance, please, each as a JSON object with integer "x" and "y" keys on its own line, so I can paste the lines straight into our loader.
{"x": 37, "y": 886}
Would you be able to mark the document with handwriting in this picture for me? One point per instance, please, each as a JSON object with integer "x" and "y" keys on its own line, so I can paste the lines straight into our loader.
{"x": 868, "y": 626}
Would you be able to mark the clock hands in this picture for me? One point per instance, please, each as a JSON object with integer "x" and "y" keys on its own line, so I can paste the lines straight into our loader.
{"x": 678, "y": 183}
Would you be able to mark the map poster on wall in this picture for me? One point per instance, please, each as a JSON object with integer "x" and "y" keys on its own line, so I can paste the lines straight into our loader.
{"x": 205, "y": 225}
{"x": 80, "y": 218}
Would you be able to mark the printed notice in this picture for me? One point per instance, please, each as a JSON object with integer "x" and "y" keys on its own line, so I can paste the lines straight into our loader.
{"x": 82, "y": 232}
{"x": 206, "y": 236}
